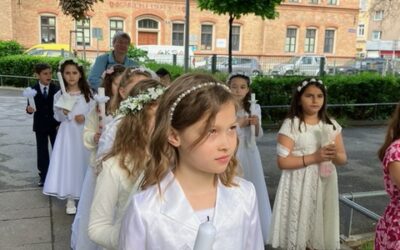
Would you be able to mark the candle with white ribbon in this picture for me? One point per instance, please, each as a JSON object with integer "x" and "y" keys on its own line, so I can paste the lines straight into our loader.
{"x": 205, "y": 236}
{"x": 61, "y": 81}
{"x": 102, "y": 107}
{"x": 253, "y": 102}
{"x": 30, "y": 94}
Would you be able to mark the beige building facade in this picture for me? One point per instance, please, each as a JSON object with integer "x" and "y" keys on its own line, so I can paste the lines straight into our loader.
{"x": 323, "y": 27}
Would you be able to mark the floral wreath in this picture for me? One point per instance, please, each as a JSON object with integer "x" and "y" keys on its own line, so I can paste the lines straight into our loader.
{"x": 305, "y": 83}
{"x": 73, "y": 59}
{"x": 136, "y": 103}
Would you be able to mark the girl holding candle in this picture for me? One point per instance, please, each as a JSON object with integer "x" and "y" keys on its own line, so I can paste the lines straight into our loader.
{"x": 306, "y": 209}
{"x": 191, "y": 177}
{"x": 70, "y": 158}
{"x": 91, "y": 135}
{"x": 123, "y": 166}
{"x": 247, "y": 153}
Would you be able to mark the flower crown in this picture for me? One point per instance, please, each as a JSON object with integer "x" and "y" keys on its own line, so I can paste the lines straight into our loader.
{"x": 187, "y": 92}
{"x": 136, "y": 103}
{"x": 305, "y": 83}
{"x": 152, "y": 74}
{"x": 108, "y": 71}
{"x": 73, "y": 59}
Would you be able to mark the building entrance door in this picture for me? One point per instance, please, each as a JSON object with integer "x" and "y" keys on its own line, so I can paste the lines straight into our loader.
{"x": 147, "y": 38}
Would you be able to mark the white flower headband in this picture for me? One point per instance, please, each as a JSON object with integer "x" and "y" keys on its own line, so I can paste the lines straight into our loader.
{"x": 108, "y": 71}
{"x": 187, "y": 92}
{"x": 136, "y": 103}
{"x": 305, "y": 83}
{"x": 73, "y": 59}
{"x": 145, "y": 70}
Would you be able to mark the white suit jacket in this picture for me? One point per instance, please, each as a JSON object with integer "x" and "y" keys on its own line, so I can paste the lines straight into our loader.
{"x": 168, "y": 222}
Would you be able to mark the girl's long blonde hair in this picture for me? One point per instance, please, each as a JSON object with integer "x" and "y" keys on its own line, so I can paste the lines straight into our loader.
{"x": 133, "y": 133}
{"x": 200, "y": 103}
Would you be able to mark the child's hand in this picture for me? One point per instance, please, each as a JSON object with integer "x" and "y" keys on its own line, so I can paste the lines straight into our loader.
{"x": 243, "y": 122}
{"x": 253, "y": 120}
{"x": 80, "y": 119}
{"x": 327, "y": 153}
{"x": 29, "y": 109}
{"x": 97, "y": 137}
{"x": 65, "y": 112}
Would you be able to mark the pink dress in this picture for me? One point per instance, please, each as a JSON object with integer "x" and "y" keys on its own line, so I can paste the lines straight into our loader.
{"x": 388, "y": 228}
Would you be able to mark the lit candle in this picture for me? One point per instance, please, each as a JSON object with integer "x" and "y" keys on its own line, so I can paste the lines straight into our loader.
{"x": 61, "y": 81}
{"x": 205, "y": 236}
{"x": 102, "y": 107}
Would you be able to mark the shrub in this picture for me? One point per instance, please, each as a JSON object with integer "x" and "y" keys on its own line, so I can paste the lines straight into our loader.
{"x": 10, "y": 48}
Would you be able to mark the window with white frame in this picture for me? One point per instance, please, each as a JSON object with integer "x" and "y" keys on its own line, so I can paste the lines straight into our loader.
{"x": 83, "y": 32}
{"x": 329, "y": 41}
{"x": 148, "y": 24}
{"x": 236, "y": 38}
{"x": 363, "y": 5}
{"x": 309, "y": 43}
{"x": 47, "y": 29}
{"x": 361, "y": 30}
{"x": 378, "y": 15}
{"x": 332, "y": 2}
{"x": 313, "y": 1}
{"x": 116, "y": 25}
{"x": 291, "y": 35}
{"x": 206, "y": 36}
{"x": 178, "y": 31}
{"x": 376, "y": 35}
{"x": 293, "y": 1}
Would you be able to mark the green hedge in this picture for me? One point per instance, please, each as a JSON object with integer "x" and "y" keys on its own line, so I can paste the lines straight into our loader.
{"x": 355, "y": 89}
{"x": 10, "y": 48}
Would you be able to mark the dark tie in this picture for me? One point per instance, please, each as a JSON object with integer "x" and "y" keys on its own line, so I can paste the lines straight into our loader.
{"x": 45, "y": 92}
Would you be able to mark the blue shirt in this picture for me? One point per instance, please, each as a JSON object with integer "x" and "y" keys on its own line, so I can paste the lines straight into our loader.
{"x": 102, "y": 63}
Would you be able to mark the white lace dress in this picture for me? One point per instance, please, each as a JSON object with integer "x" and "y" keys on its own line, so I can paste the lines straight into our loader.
{"x": 306, "y": 209}
{"x": 250, "y": 161}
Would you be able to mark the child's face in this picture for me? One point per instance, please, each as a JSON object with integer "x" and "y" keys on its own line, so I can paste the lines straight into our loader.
{"x": 312, "y": 100}
{"x": 45, "y": 76}
{"x": 212, "y": 155}
{"x": 71, "y": 75}
{"x": 239, "y": 87}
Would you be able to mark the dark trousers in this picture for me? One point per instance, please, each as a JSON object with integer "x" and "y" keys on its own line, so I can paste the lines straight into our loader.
{"x": 42, "y": 149}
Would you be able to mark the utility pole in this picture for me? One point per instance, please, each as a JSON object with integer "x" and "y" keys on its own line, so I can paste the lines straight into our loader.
{"x": 186, "y": 56}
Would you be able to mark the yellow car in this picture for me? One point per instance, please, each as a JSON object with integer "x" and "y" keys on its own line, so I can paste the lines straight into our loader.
{"x": 50, "y": 49}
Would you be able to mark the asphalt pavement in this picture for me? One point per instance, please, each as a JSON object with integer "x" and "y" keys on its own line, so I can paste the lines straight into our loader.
{"x": 31, "y": 220}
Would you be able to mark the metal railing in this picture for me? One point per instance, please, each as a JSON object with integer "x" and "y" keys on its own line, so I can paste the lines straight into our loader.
{"x": 348, "y": 200}
{"x": 29, "y": 79}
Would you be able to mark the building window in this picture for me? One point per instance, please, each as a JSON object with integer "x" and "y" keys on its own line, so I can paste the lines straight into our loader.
{"x": 148, "y": 24}
{"x": 378, "y": 15}
{"x": 236, "y": 38}
{"x": 376, "y": 35}
{"x": 332, "y": 2}
{"x": 329, "y": 41}
{"x": 115, "y": 26}
{"x": 206, "y": 36}
{"x": 83, "y": 32}
{"x": 361, "y": 30}
{"x": 313, "y": 1}
{"x": 363, "y": 5}
{"x": 48, "y": 29}
{"x": 178, "y": 31}
{"x": 290, "y": 45}
{"x": 293, "y": 1}
{"x": 309, "y": 43}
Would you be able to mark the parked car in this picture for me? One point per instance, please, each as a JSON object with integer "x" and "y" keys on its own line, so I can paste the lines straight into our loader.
{"x": 247, "y": 65}
{"x": 300, "y": 65}
{"x": 349, "y": 68}
{"x": 371, "y": 65}
{"x": 50, "y": 49}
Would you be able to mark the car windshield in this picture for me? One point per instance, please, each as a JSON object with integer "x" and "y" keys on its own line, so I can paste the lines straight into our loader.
{"x": 293, "y": 60}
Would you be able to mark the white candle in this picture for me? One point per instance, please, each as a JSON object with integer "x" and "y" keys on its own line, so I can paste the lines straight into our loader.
{"x": 102, "y": 106}
{"x": 61, "y": 81}
{"x": 253, "y": 98}
{"x": 32, "y": 102}
{"x": 253, "y": 102}
{"x": 205, "y": 236}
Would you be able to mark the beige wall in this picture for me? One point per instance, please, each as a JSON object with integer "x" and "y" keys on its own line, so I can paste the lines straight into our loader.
{"x": 6, "y": 20}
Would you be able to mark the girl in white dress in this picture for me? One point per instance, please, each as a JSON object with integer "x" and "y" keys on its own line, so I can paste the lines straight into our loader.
{"x": 191, "y": 177}
{"x": 123, "y": 166}
{"x": 70, "y": 158}
{"x": 91, "y": 134}
{"x": 306, "y": 209}
{"x": 248, "y": 154}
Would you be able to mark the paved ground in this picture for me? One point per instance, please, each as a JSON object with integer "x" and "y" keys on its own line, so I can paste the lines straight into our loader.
{"x": 30, "y": 220}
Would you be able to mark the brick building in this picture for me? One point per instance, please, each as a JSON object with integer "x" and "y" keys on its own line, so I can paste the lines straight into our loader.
{"x": 325, "y": 27}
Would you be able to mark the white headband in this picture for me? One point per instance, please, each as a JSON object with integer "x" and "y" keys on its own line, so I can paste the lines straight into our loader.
{"x": 305, "y": 83}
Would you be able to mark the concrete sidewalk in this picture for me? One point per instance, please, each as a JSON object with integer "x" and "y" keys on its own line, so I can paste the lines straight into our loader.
{"x": 30, "y": 220}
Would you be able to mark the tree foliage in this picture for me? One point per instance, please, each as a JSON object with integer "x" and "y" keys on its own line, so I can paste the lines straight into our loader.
{"x": 77, "y": 8}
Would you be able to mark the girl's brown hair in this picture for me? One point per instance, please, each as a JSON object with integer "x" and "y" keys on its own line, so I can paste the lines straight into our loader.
{"x": 197, "y": 104}
{"x": 132, "y": 138}
{"x": 107, "y": 83}
{"x": 82, "y": 83}
{"x": 128, "y": 76}
{"x": 393, "y": 132}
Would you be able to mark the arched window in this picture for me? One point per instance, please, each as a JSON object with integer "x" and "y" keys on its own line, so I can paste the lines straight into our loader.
{"x": 148, "y": 30}
{"x": 148, "y": 24}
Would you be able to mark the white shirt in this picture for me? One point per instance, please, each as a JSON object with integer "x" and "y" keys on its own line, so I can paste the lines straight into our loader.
{"x": 42, "y": 86}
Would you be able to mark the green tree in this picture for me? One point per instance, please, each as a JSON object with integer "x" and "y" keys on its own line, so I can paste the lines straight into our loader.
{"x": 137, "y": 54}
{"x": 77, "y": 8}
{"x": 236, "y": 8}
